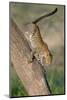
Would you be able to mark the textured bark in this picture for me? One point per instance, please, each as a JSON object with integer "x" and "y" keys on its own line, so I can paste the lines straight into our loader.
{"x": 31, "y": 74}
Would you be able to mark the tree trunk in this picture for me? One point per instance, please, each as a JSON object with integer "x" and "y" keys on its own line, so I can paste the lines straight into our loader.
{"x": 30, "y": 74}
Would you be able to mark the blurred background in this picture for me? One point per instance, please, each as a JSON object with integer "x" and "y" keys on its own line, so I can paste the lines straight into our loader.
{"x": 52, "y": 32}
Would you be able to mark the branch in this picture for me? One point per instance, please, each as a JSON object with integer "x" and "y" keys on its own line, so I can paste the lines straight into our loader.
{"x": 29, "y": 73}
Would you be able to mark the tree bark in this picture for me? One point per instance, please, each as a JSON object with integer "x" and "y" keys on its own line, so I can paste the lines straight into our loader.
{"x": 30, "y": 74}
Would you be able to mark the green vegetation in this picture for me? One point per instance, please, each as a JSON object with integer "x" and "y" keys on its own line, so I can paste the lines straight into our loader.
{"x": 56, "y": 81}
{"x": 16, "y": 87}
